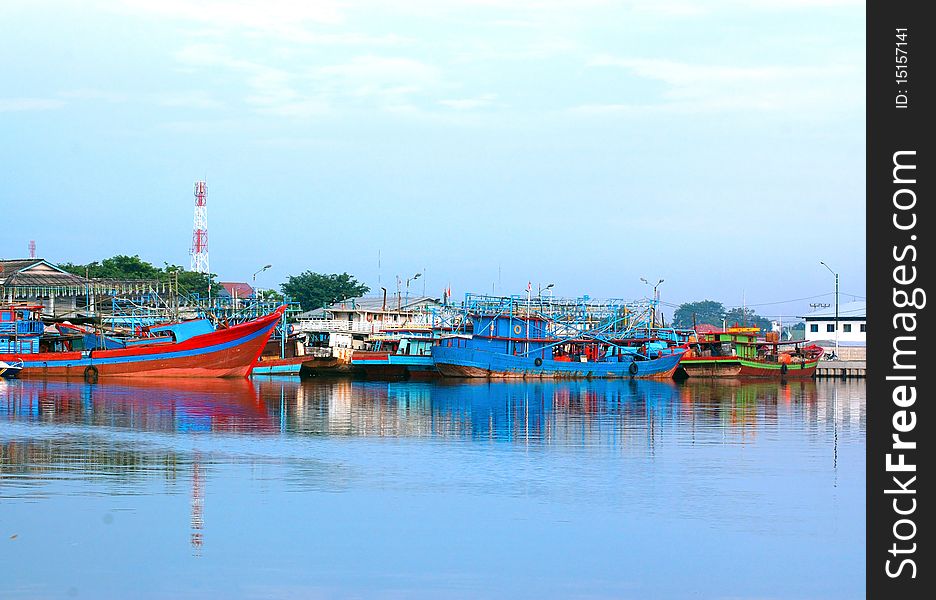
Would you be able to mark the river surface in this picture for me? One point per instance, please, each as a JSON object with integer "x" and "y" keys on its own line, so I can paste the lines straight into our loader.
{"x": 276, "y": 488}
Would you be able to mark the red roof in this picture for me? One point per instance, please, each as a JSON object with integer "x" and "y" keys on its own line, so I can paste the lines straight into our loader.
{"x": 706, "y": 328}
{"x": 237, "y": 289}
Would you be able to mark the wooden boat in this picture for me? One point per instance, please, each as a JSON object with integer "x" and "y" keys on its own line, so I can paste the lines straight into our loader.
{"x": 185, "y": 349}
{"x": 281, "y": 358}
{"x": 275, "y": 365}
{"x": 738, "y": 352}
{"x": 397, "y": 356}
{"x": 518, "y": 346}
{"x": 11, "y": 369}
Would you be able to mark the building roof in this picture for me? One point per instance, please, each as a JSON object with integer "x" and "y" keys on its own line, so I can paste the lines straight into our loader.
{"x": 849, "y": 310}
{"x": 237, "y": 289}
{"x": 36, "y": 272}
{"x": 706, "y": 328}
{"x": 376, "y": 303}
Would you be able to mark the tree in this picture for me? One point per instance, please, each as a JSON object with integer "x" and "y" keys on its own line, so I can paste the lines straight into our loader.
{"x": 270, "y": 296}
{"x": 705, "y": 311}
{"x": 746, "y": 317}
{"x": 133, "y": 267}
{"x": 314, "y": 290}
{"x": 192, "y": 282}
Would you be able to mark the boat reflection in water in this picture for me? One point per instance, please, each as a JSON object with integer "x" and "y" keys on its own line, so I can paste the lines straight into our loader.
{"x": 157, "y": 405}
{"x": 323, "y": 488}
{"x": 598, "y": 412}
{"x": 544, "y": 411}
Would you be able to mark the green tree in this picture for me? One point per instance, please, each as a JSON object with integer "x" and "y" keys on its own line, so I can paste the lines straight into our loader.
{"x": 192, "y": 282}
{"x": 116, "y": 267}
{"x": 313, "y": 290}
{"x": 746, "y": 317}
{"x": 705, "y": 311}
{"x": 271, "y": 296}
{"x": 134, "y": 267}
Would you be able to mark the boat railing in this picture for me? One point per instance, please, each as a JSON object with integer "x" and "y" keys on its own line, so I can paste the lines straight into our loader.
{"x": 345, "y": 326}
{"x": 13, "y": 328}
{"x": 335, "y": 325}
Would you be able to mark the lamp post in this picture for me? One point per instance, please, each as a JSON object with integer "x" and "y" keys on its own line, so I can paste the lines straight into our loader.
{"x": 413, "y": 278}
{"x": 540, "y": 290}
{"x": 253, "y": 278}
{"x": 656, "y": 299}
{"x": 836, "y": 307}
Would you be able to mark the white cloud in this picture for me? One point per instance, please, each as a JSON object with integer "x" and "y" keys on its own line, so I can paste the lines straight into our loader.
{"x": 470, "y": 103}
{"x": 382, "y": 70}
{"x": 28, "y": 104}
{"x": 263, "y": 15}
{"x": 699, "y": 87}
{"x": 196, "y": 99}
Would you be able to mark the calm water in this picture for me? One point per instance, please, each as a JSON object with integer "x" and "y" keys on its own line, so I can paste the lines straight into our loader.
{"x": 278, "y": 489}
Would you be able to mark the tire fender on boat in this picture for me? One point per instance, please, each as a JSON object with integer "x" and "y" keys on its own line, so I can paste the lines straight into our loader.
{"x": 538, "y": 362}
{"x": 632, "y": 369}
{"x": 783, "y": 369}
{"x": 91, "y": 374}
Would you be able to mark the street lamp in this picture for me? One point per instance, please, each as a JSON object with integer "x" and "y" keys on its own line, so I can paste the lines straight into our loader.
{"x": 836, "y": 306}
{"x": 413, "y": 278}
{"x": 656, "y": 299}
{"x": 253, "y": 278}
{"x": 265, "y": 267}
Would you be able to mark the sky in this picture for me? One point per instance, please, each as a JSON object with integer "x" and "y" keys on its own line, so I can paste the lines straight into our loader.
{"x": 486, "y": 144}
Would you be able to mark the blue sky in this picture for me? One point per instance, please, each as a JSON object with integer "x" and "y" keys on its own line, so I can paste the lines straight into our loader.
{"x": 718, "y": 145}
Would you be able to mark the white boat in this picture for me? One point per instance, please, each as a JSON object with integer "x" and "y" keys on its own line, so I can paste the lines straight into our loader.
{"x": 10, "y": 370}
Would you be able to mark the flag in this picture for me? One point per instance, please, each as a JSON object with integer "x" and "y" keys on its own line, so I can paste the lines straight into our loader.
{"x": 529, "y": 286}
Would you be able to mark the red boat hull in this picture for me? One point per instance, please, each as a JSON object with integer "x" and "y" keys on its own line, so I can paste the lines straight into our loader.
{"x": 230, "y": 352}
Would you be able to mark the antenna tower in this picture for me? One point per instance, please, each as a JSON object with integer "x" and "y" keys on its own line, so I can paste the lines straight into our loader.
{"x": 200, "y": 231}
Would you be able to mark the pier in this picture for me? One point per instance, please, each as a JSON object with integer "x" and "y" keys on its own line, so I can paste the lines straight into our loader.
{"x": 841, "y": 368}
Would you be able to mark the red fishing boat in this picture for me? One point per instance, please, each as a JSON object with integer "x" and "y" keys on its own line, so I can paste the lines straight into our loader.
{"x": 185, "y": 349}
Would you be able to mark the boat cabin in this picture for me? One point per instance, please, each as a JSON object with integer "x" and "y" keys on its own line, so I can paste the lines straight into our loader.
{"x": 20, "y": 329}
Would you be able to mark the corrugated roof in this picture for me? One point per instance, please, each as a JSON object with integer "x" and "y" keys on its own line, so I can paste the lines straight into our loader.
{"x": 238, "y": 289}
{"x": 36, "y": 272}
{"x": 849, "y": 310}
{"x": 376, "y": 303}
{"x": 16, "y": 264}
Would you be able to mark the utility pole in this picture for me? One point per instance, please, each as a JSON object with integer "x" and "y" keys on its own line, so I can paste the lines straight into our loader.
{"x": 836, "y": 306}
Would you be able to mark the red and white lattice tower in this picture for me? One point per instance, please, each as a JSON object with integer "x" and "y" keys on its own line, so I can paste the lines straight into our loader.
{"x": 32, "y": 248}
{"x": 200, "y": 231}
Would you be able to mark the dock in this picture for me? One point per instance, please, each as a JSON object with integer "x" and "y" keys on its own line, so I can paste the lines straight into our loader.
{"x": 843, "y": 369}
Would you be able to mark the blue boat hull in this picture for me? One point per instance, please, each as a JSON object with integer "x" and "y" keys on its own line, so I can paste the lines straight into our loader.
{"x": 469, "y": 362}
{"x": 395, "y": 366}
{"x": 277, "y": 369}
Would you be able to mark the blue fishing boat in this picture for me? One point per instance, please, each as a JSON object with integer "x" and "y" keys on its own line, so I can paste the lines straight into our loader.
{"x": 522, "y": 340}
{"x": 406, "y": 355}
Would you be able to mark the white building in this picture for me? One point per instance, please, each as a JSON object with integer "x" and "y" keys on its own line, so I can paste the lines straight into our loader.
{"x": 368, "y": 315}
{"x": 852, "y": 318}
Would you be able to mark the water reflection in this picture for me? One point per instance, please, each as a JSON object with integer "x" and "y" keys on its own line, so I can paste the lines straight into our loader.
{"x": 217, "y": 405}
{"x": 369, "y": 486}
{"x": 560, "y": 413}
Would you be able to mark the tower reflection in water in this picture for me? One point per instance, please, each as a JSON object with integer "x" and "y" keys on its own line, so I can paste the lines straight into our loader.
{"x": 74, "y": 429}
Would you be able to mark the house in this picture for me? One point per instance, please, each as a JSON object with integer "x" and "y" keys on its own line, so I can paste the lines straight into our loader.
{"x": 236, "y": 290}
{"x": 37, "y": 281}
{"x": 63, "y": 294}
{"x": 852, "y": 318}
